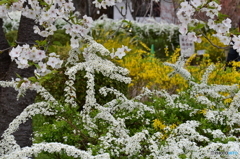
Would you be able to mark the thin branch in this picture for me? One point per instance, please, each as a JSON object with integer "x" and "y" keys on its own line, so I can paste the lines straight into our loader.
{"x": 6, "y": 49}
{"x": 9, "y": 17}
{"x": 219, "y": 47}
{"x": 120, "y": 26}
{"x": 121, "y": 11}
{"x": 147, "y": 11}
{"x": 18, "y": 42}
{"x": 126, "y": 9}
{"x": 204, "y": 35}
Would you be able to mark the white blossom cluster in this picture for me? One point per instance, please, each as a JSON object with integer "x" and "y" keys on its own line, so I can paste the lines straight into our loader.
{"x": 46, "y": 17}
{"x": 23, "y": 54}
{"x": 11, "y": 22}
{"x": 117, "y": 127}
{"x": 186, "y": 15}
{"x": 27, "y": 152}
{"x": 184, "y": 142}
{"x": 178, "y": 68}
{"x": 8, "y": 144}
{"x": 105, "y": 3}
{"x": 205, "y": 100}
{"x": 207, "y": 73}
{"x": 184, "y": 137}
{"x": 117, "y": 131}
{"x": 92, "y": 63}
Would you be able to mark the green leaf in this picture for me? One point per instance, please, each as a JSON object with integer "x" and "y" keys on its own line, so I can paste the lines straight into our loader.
{"x": 200, "y": 26}
{"x": 33, "y": 79}
{"x": 20, "y": 83}
{"x": 57, "y": 43}
{"x": 8, "y": 2}
{"x": 42, "y": 42}
{"x": 3, "y": 2}
{"x": 19, "y": 76}
{"x": 36, "y": 65}
{"x": 222, "y": 16}
{"x": 43, "y": 3}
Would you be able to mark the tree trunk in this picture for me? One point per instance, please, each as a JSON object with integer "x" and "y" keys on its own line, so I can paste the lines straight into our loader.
{"x": 9, "y": 106}
{"x": 5, "y": 59}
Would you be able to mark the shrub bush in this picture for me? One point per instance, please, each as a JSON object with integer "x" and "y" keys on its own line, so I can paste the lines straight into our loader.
{"x": 11, "y": 23}
{"x": 150, "y": 72}
{"x": 167, "y": 119}
{"x": 160, "y": 35}
{"x": 190, "y": 124}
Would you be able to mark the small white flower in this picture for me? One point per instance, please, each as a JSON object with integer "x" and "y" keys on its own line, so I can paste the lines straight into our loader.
{"x": 40, "y": 54}
{"x": 43, "y": 67}
{"x": 227, "y": 22}
{"x": 211, "y": 23}
{"x": 192, "y": 36}
{"x": 52, "y": 61}
{"x": 15, "y": 52}
{"x": 183, "y": 29}
{"x": 74, "y": 43}
{"x": 3, "y": 11}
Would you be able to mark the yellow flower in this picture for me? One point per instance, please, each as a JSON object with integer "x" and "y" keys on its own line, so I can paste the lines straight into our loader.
{"x": 173, "y": 126}
{"x": 164, "y": 129}
{"x": 228, "y": 101}
{"x": 236, "y": 64}
{"x": 157, "y": 124}
{"x": 206, "y": 55}
{"x": 204, "y": 111}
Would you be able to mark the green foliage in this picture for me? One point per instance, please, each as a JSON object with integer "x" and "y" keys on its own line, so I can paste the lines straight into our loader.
{"x": 60, "y": 38}
{"x": 55, "y": 85}
{"x": 177, "y": 115}
{"x": 69, "y": 129}
{"x": 160, "y": 38}
{"x": 7, "y": 2}
{"x": 11, "y": 37}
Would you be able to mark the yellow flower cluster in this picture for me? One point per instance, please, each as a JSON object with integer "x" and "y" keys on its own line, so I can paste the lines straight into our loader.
{"x": 203, "y": 111}
{"x": 164, "y": 129}
{"x": 236, "y": 64}
{"x": 221, "y": 74}
{"x": 147, "y": 71}
{"x": 150, "y": 72}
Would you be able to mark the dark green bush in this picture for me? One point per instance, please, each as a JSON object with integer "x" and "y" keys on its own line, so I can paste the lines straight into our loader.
{"x": 60, "y": 38}
{"x": 56, "y": 84}
{"x": 11, "y": 37}
{"x": 159, "y": 40}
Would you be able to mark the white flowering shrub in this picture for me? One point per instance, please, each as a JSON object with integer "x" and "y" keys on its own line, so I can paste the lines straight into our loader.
{"x": 160, "y": 35}
{"x": 143, "y": 29}
{"x": 205, "y": 126}
{"x": 12, "y": 21}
